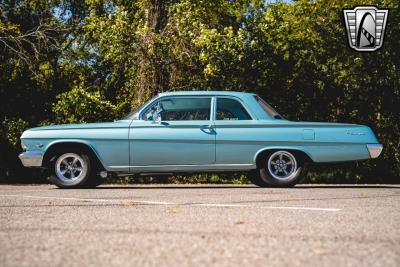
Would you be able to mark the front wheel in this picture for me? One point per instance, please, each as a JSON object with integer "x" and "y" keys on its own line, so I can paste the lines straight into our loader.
{"x": 71, "y": 170}
{"x": 279, "y": 169}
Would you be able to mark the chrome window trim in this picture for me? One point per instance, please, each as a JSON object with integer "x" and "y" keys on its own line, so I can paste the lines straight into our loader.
{"x": 240, "y": 102}
{"x": 213, "y": 108}
{"x": 152, "y": 103}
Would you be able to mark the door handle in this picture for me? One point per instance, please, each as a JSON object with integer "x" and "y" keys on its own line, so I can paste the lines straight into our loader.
{"x": 208, "y": 128}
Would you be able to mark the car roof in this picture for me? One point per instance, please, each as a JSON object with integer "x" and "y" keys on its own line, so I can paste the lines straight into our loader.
{"x": 204, "y": 93}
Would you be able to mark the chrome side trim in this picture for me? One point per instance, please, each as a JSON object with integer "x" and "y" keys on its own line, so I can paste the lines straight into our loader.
{"x": 182, "y": 165}
{"x": 184, "y": 168}
{"x": 31, "y": 158}
{"x": 374, "y": 150}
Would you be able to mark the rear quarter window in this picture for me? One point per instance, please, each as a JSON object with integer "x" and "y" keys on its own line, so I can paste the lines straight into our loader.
{"x": 231, "y": 109}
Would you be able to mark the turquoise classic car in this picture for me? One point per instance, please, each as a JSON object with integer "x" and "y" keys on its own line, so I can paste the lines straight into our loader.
{"x": 195, "y": 131}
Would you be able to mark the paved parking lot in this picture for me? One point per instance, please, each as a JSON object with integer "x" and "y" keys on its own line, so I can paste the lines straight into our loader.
{"x": 200, "y": 225}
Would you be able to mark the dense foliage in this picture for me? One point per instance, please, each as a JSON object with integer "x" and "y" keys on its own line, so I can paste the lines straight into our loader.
{"x": 65, "y": 61}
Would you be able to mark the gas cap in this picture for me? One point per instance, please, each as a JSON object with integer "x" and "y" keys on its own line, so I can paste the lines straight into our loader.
{"x": 308, "y": 134}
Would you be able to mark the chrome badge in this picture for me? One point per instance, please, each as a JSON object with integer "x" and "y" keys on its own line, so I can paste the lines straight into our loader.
{"x": 365, "y": 27}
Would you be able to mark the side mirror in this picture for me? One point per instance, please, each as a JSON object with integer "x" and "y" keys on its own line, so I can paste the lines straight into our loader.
{"x": 149, "y": 117}
{"x": 157, "y": 117}
{"x": 154, "y": 115}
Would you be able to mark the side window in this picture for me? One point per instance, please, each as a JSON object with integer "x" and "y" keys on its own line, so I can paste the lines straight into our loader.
{"x": 180, "y": 109}
{"x": 231, "y": 109}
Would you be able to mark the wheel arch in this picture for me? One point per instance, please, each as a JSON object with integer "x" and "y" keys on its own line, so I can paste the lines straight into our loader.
{"x": 306, "y": 156}
{"x": 54, "y": 147}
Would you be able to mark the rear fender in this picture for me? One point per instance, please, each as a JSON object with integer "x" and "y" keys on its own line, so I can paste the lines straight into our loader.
{"x": 293, "y": 148}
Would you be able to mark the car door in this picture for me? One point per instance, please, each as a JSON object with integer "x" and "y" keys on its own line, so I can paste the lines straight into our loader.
{"x": 175, "y": 130}
{"x": 235, "y": 130}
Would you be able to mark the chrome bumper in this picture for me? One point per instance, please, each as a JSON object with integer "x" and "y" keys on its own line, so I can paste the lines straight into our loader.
{"x": 374, "y": 150}
{"x": 31, "y": 158}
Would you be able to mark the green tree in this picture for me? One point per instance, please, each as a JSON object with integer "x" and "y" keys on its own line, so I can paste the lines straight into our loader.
{"x": 64, "y": 61}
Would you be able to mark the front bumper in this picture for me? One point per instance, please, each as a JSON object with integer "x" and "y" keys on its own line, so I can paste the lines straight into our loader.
{"x": 374, "y": 150}
{"x": 31, "y": 158}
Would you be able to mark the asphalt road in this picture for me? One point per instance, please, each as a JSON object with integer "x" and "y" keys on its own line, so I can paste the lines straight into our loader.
{"x": 200, "y": 226}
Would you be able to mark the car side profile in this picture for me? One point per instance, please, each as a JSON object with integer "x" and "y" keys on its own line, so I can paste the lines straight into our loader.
{"x": 195, "y": 131}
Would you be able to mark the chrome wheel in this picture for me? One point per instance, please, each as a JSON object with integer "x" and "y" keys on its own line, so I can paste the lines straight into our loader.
{"x": 282, "y": 165}
{"x": 71, "y": 168}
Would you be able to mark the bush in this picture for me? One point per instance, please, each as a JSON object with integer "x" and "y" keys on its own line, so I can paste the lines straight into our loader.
{"x": 79, "y": 105}
{"x": 12, "y": 130}
{"x": 11, "y": 170}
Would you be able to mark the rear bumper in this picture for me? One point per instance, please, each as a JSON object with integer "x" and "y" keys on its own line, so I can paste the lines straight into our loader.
{"x": 31, "y": 158}
{"x": 374, "y": 150}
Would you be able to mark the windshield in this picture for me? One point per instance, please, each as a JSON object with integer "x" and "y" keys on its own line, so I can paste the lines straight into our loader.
{"x": 133, "y": 115}
{"x": 268, "y": 109}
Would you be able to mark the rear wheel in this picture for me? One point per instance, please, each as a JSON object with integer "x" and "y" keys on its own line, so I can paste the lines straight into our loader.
{"x": 73, "y": 170}
{"x": 279, "y": 169}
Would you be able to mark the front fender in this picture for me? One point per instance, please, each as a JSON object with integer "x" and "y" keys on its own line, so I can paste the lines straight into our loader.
{"x": 90, "y": 145}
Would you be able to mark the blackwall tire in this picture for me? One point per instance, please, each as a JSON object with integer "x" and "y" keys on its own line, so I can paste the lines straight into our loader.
{"x": 280, "y": 168}
{"x": 71, "y": 170}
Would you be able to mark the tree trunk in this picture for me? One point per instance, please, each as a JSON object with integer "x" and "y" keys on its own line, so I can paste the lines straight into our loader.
{"x": 151, "y": 75}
